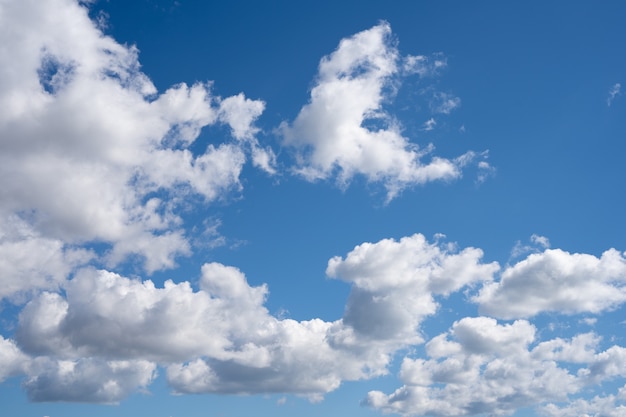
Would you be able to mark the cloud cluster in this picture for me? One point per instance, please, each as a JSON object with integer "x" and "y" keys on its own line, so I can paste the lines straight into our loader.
{"x": 221, "y": 338}
{"x": 557, "y": 281}
{"x": 344, "y": 130}
{"x": 107, "y": 335}
{"x": 91, "y": 152}
{"x": 482, "y": 367}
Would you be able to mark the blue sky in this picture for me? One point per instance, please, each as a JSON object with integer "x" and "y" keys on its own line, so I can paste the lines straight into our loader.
{"x": 356, "y": 209}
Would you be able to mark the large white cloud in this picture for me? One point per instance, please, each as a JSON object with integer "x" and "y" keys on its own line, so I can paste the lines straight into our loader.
{"x": 482, "y": 367}
{"x": 221, "y": 338}
{"x": 557, "y": 281}
{"x": 333, "y": 134}
{"x": 394, "y": 283}
{"x": 87, "y": 142}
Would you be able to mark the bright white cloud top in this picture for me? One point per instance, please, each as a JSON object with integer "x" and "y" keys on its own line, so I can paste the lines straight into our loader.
{"x": 113, "y": 284}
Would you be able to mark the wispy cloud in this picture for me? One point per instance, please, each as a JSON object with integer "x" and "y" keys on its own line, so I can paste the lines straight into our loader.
{"x": 429, "y": 124}
{"x": 613, "y": 93}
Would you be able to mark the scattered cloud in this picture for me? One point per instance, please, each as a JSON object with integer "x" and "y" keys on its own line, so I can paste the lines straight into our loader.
{"x": 429, "y": 124}
{"x": 97, "y": 167}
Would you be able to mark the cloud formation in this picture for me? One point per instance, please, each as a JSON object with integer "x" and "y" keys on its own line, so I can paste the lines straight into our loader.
{"x": 482, "y": 367}
{"x": 557, "y": 281}
{"x": 344, "y": 130}
{"x": 91, "y": 152}
{"x": 221, "y": 338}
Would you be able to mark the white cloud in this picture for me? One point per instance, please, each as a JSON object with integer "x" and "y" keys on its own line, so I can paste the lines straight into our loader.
{"x": 429, "y": 124}
{"x": 221, "y": 338}
{"x": 557, "y": 281}
{"x": 86, "y": 139}
{"x": 12, "y": 360}
{"x": 332, "y": 134}
{"x": 613, "y": 93}
{"x": 394, "y": 283}
{"x": 537, "y": 243}
{"x": 608, "y": 406}
{"x": 482, "y": 367}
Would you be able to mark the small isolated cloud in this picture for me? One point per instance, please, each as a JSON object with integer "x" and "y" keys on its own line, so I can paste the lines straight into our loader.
{"x": 613, "y": 93}
{"x": 444, "y": 102}
{"x": 333, "y": 135}
{"x": 601, "y": 406}
{"x": 429, "y": 124}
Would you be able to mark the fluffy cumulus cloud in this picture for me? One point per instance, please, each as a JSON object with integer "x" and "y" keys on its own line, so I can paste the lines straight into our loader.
{"x": 600, "y": 406}
{"x": 481, "y": 367}
{"x": 220, "y": 337}
{"x": 87, "y": 143}
{"x": 344, "y": 130}
{"x": 557, "y": 281}
{"x": 394, "y": 283}
{"x": 97, "y": 168}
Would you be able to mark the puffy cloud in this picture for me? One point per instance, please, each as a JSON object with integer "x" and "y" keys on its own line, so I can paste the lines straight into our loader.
{"x": 87, "y": 142}
{"x": 424, "y": 66}
{"x": 344, "y": 131}
{"x": 87, "y": 380}
{"x": 482, "y": 367}
{"x": 394, "y": 283}
{"x": 606, "y": 406}
{"x": 221, "y": 338}
{"x": 558, "y": 281}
